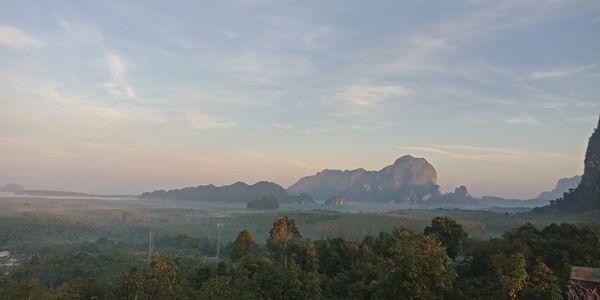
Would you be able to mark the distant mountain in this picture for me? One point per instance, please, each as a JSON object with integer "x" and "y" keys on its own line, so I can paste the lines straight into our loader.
{"x": 407, "y": 180}
{"x": 11, "y": 188}
{"x": 238, "y": 192}
{"x": 562, "y": 186}
{"x": 461, "y": 198}
{"x": 586, "y": 196}
{"x": 49, "y": 193}
{"x": 263, "y": 203}
{"x": 53, "y": 193}
{"x": 336, "y": 201}
{"x": 302, "y": 199}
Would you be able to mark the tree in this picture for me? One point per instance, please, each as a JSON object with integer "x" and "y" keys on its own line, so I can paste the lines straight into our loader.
{"x": 515, "y": 277}
{"x": 162, "y": 280}
{"x": 216, "y": 288}
{"x": 284, "y": 239}
{"x": 243, "y": 244}
{"x": 418, "y": 269}
{"x": 449, "y": 232}
{"x": 543, "y": 284}
{"x": 28, "y": 289}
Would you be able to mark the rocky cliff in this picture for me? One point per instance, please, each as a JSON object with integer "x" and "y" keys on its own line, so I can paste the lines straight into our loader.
{"x": 586, "y": 196}
{"x": 407, "y": 180}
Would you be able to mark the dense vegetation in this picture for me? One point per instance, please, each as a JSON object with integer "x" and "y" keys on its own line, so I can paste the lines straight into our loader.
{"x": 443, "y": 262}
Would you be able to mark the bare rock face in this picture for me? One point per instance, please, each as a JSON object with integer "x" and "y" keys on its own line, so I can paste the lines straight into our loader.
{"x": 586, "y": 196}
{"x": 591, "y": 172}
{"x": 407, "y": 180}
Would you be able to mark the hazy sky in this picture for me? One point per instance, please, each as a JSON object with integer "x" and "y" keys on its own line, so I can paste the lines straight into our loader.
{"x": 115, "y": 97}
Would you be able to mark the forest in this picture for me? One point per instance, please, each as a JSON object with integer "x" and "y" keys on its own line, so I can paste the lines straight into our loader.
{"x": 440, "y": 262}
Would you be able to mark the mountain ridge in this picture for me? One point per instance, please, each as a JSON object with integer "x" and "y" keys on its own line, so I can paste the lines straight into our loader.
{"x": 407, "y": 180}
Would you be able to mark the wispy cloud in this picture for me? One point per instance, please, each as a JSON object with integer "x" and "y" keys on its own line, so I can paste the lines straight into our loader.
{"x": 371, "y": 95}
{"x": 561, "y": 72}
{"x": 201, "y": 120}
{"x": 118, "y": 87}
{"x": 523, "y": 119}
{"x": 16, "y": 38}
{"x": 284, "y": 126}
{"x": 81, "y": 32}
{"x": 232, "y": 35}
{"x": 491, "y": 154}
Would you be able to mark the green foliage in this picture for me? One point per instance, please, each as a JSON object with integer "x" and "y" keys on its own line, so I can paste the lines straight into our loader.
{"x": 419, "y": 270}
{"x": 284, "y": 240}
{"x": 543, "y": 284}
{"x": 243, "y": 244}
{"x": 449, "y": 232}
{"x": 161, "y": 280}
{"x": 515, "y": 277}
{"x": 397, "y": 263}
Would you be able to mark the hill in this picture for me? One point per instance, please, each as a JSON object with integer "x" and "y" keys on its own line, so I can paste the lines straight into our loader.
{"x": 562, "y": 186}
{"x": 238, "y": 192}
{"x": 11, "y": 188}
{"x": 407, "y": 180}
{"x": 586, "y": 196}
{"x": 263, "y": 203}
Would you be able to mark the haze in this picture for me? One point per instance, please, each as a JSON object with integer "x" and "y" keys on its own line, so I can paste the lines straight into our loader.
{"x": 110, "y": 97}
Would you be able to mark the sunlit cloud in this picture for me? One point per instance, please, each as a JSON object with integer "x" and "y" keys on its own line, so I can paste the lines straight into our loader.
{"x": 561, "y": 72}
{"x": 118, "y": 87}
{"x": 523, "y": 119}
{"x": 16, "y": 38}
{"x": 371, "y": 95}
{"x": 284, "y": 126}
{"x": 311, "y": 78}
{"x": 201, "y": 120}
{"x": 488, "y": 154}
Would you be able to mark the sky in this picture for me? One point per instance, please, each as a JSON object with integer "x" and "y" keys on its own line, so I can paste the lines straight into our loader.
{"x": 132, "y": 96}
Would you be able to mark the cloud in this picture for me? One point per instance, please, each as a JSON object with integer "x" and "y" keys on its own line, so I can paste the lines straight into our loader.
{"x": 81, "y": 32}
{"x": 118, "y": 87}
{"x": 561, "y": 72}
{"x": 201, "y": 120}
{"x": 284, "y": 126}
{"x": 523, "y": 119}
{"x": 487, "y": 154}
{"x": 16, "y": 38}
{"x": 371, "y": 95}
{"x": 232, "y": 35}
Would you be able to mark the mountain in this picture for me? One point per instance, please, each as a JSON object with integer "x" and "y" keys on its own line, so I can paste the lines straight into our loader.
{"x": 586, "y": 196}
{"x": 336, "y": 201}
{"x": 48, "y": 193}
{"x": 263, "y": 203}
{"x": 11, "y": 188}
{"x": 407, "y": 180}
{"x": 562, "y": 186}
{"x": 302, "y": 199}
{"x": 460, "y": 198}
{"x": 238, "y": 192}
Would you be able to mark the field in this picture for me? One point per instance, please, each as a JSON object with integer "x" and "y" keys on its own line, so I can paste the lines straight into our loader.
{"x": 30, "y": 224}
